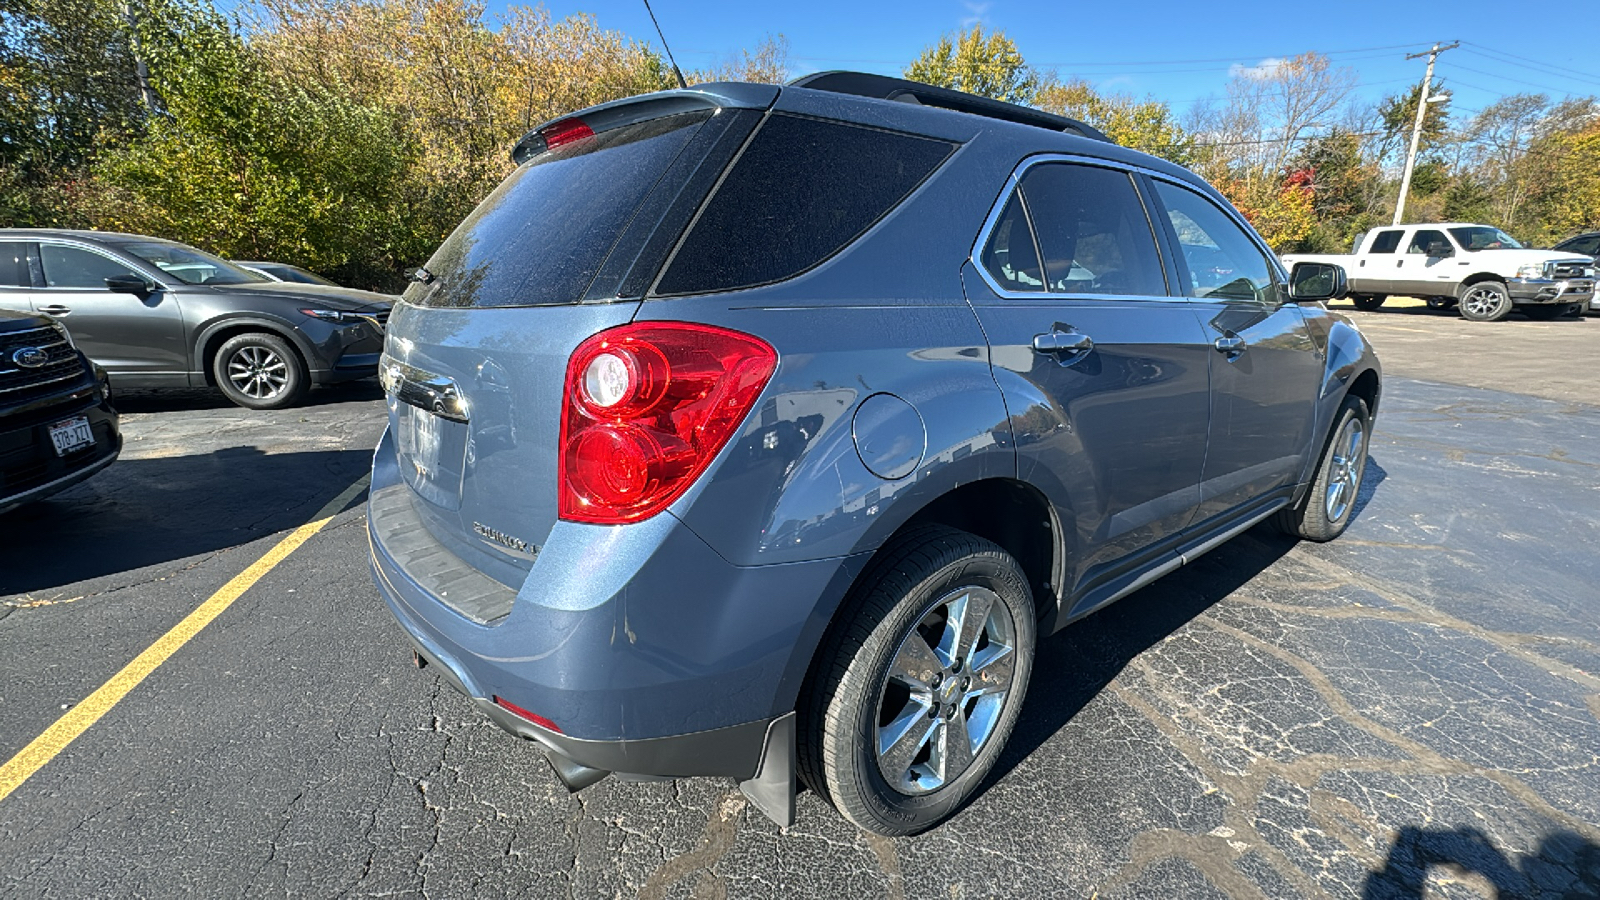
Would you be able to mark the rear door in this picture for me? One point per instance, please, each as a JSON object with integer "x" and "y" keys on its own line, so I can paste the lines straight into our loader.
{"x": 16, "y": 286}
{"x": 129, "y": 335}
{"x": 1104, "y": 373}
{"x": 1378, "y": 267}
{"x": 1265, "y": 369}
{"x": 1430, "y": 263}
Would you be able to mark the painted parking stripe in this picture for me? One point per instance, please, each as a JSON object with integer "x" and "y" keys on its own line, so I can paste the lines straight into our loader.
{"x": 78, "y": 720}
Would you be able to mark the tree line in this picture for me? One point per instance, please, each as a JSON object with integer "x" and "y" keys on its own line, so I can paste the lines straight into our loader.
{"x": 350, "y": 136}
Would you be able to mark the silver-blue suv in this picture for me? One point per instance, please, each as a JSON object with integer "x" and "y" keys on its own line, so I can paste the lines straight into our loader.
{"x": 760, "y": 432}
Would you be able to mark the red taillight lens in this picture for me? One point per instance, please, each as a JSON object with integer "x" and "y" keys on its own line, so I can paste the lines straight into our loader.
{"x": 565, "y": 132}
{"x": 647, "y": 407}
{"x": 535, "y": 718}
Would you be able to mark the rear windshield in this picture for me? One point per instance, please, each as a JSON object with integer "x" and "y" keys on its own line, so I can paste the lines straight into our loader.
{"x": 800, "y": 192}
{"x": 542, "y": 235}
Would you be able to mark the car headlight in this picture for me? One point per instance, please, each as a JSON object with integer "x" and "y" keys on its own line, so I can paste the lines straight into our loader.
{"x": 1532, "y": 270}
{"x": 334, "y": 315}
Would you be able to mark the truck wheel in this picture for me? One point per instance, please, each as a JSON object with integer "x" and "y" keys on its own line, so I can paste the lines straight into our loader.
{"x": 918, "y": 691}
{"x": 259, "y": 371}
{"x": 1330, "y": 502}
{"x": 1486, "y": 301}
{"x": 1368, "y": 302}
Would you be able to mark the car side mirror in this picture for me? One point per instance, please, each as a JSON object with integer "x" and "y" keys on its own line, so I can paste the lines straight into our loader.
{"x": 1440, "y": 249}
{"x": 1313, "y": 282}
{"x": 129, "y": 284}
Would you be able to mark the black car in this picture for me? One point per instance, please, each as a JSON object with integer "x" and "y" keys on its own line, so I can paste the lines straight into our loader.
{"x": 157, "y": 313}
{"x": 57, "y": 425}
{"x": 1589, "y": 245}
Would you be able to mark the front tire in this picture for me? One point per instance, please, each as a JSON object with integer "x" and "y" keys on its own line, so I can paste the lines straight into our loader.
{"x": 1486, "y": 301}
{"x": 918, "y": 692}
{"x": 259, "y": 371}
{"x": 1330, "y": 503}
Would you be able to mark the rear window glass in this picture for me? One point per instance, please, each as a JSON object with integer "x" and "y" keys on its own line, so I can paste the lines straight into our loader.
{"x": 1010, "y": 255}
{"x": 801, "y": 191}
{"x": 14, "y": 264}
{"x": 542, "y": 235}
{"x": 1093, "y": 231}
{"x": 1386, "y": 242}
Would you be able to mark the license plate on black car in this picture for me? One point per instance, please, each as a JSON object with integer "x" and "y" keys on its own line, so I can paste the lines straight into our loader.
{"x": 71, "y": 434}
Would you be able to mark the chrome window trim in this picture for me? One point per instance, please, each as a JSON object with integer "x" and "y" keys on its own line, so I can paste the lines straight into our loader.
{"x": 137, "y": 268}
{"x": 1014, "y": 181}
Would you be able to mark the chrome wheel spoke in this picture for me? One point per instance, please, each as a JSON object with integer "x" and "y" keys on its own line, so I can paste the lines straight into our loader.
{"x": 968, "y": 617}
{"x": 915, "y": 665}
{"x": 954, "y": 751}
{"x": 991, "y": 670}
{"x": 901, "y": 741}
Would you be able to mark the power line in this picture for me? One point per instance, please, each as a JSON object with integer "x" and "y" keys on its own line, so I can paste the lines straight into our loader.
{"x": 1543, "y": 87}
{"x": 1482, "y": 48}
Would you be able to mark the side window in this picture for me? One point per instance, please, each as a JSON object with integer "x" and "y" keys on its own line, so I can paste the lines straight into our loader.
{"x": 1425, "y": 238}
{"x": 74, "y": 267}
{"x": 1010, "y": 255}
{"x": 1386, "y": 242}
{"x": 1588, "y": 247}
{"x": 14, "y": 265}
{"x": 1093, "y": 232}
{"x": 1223, "y": 262}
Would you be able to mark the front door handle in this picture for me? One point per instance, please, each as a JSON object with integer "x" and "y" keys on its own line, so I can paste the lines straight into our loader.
{"x": 1232, "y": 344}
{"x": 1062, "y": 343}
{"x": 55, "y": 310}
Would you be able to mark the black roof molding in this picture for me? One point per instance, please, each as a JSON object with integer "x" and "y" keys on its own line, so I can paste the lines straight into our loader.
{"x": 883, "y": 87}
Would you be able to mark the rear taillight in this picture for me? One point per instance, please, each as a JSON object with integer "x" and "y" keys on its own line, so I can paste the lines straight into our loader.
{"x": 647, "y": 407}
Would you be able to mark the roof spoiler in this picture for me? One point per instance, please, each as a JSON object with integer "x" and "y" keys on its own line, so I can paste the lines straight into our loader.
{"x": 883, "y": 87}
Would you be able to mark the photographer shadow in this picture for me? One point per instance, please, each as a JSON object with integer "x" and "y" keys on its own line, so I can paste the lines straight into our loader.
{"x": 1565, "y": 865}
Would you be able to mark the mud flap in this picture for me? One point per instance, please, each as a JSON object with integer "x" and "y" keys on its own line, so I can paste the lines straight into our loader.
{"x": 772, "y": 790}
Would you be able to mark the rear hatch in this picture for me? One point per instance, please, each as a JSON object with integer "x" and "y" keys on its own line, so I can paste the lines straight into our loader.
{"x": 477, "y": 349}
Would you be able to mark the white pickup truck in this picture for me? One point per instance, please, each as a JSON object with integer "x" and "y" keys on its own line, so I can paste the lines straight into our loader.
{"x": 1478, "y": 268}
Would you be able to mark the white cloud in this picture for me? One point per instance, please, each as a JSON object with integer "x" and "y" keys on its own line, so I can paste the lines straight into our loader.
{"x": 979, "y": 13}
{"x": 1265, "y": 69}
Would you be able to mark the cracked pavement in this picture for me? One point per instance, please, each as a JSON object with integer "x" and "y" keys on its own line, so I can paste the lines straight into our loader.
{"x": 1411, "y": 711}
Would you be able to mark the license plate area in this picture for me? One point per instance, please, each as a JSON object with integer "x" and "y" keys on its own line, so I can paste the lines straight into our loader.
{"x": 71, "y": 435}
{"x": 431, "y": 451}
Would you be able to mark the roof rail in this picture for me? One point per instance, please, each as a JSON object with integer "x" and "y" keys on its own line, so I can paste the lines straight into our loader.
{"x": 883, "y": 87}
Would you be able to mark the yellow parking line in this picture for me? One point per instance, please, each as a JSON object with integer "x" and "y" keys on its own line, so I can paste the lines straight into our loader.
{"x": 67, "y": 728}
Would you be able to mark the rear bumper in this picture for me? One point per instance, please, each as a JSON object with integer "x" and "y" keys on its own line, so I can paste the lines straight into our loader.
{"x": 651, "y": 654}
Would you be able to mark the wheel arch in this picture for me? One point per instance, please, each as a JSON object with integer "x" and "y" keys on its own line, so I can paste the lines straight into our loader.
{"x": 1476, "y": 279}
{"x": 215, "y": 335}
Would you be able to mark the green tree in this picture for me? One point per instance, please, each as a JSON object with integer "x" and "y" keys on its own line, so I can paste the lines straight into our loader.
{"x": 969, "y": 61}
{"x": 1146, "y": 125}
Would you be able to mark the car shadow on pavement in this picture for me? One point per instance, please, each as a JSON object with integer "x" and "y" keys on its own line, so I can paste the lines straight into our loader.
{"x": 1074, "y": 665}
{"x": 137, "y": 400}
{"x": 147, "y": 512}
{"x": 1565, "y": 864}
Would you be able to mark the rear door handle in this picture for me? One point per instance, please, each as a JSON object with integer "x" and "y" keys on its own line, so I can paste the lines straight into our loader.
{"x": 55, "y": 310}
{"x": 1061, "y": 343}
{"x": 1233, "y": 345}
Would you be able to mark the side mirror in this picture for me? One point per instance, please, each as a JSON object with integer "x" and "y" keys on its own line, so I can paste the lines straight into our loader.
{"x": 1311, "y": 282}
{"x": 129, "y": 284}
{"x": 1440, "y": 249}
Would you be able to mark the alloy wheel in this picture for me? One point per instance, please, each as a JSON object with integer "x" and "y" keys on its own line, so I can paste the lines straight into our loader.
{"x": 942, "y": 696}
{"x": 1344, "y": 477}
{"x": 258, "y": 372}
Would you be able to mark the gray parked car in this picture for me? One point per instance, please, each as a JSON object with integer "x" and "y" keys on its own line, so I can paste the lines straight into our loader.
{"x": 157, "y": 313}
{"x": 751, "y": 431}
{"x": 283, "y": 272}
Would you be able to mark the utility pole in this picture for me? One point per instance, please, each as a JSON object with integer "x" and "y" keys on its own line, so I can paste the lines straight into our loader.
{"x": 1416, "y": 130}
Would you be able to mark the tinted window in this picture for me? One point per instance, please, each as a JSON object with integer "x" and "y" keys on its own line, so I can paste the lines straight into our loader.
{"x": 800, "y": 192}
{"x": 74, "y": 267}
{"x": 542, "y": 235}
{"x": 1484, "y": 237}
{"x": 1092, "y": 230}
{"x": 192, "y": 266}
{"x": 1386, "y": 242}
{"x": 1222, "y": 261}
{"x": 1425, "y": 238}
{"x": 1588, "y": 245}
{"x": 14, "y": 264}
{"x": 1010, "y": 255}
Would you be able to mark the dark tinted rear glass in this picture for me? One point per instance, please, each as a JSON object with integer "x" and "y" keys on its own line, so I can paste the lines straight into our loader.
{"x": 1010, "y": 255}
{"x": 1093, "y": 231}
{"x": 1386, "y": 242}
{"x": 542, "y": 235}
{"x": 14, "y": 264}
{"x": 800, "y": 192}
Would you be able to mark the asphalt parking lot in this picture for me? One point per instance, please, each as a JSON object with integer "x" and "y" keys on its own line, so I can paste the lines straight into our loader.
{"x": 1411, "y": 711}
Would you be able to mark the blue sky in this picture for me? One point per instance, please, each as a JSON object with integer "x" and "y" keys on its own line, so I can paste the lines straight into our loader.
{"x": 1175, "y": 52}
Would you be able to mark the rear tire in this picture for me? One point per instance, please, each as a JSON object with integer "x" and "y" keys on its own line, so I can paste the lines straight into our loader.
{"x": 915, "y": 696}
{"x": 1330, "y": 502}
{"x": 1486, "y": 301}
{"x": 1368, "y": 302}
{"x": 260, "y": 371}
